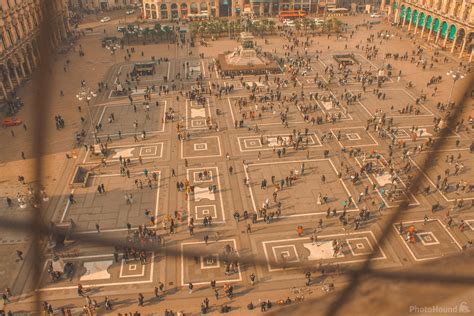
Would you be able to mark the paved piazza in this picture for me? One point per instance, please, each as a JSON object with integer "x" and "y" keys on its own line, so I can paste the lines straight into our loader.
{"x": 193, "y": 176}
{"x": 305, "y": 196}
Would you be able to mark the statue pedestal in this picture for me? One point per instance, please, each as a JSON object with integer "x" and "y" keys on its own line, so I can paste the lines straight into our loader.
{"x": 248, "y": 53}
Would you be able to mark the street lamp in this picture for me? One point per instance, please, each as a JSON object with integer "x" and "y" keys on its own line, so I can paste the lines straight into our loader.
{"x": 456, "y": 75}
{"x": 86, "y": 94}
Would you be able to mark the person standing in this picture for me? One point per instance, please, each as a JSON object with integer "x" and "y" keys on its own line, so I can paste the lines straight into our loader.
{"x": 5, "y": 299}
{"x": 80, "y": 290}
{"x": 308, "y": 278}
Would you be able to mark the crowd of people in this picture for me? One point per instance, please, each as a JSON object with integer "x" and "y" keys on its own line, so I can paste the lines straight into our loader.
{"x": 270, "y": 100}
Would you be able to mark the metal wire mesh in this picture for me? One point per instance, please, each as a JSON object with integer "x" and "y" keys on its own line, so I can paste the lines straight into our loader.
{"x": 41, "y": 231}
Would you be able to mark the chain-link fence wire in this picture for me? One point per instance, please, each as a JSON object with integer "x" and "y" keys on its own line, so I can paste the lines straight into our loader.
{"x": 41, "y": 231}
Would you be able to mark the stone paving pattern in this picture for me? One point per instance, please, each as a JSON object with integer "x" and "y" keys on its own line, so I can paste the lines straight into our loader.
{"x": 218, "y": 151}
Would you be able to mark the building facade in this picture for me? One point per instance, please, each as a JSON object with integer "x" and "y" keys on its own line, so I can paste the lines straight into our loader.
{"x": 178, "y": 9}
{"x": 359, "y": 5}
{"x": 19, "y": 30}
{"x": 448, "y": 24}
{"x": 100, "y": 4}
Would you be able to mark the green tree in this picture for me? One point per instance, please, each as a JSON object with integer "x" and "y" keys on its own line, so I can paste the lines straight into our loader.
{"x": 325, "y": 27}
{"x": 271, "y": 26}
{"x": 298, "y": 26}
{"x": 312, "y": 26}
{"x": 167, "y": 31}
{"x": 145, "y": 32}
{"x": 335, "y": 25}
{"x": 306, "y": 23}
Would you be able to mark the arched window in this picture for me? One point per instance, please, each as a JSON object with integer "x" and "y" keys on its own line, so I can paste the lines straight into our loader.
{"x": 408, "y": 15}
{"x": 444, "y": 29}
{"x": 429, "y": 19}
{"x": 194, "y": 8}
{"x": 184, "y": 9}
{"x": 421, "y": 20}
{"x": 452, "y": 32}
{"x": 154, "y": 13}
{"x": 436, "y": 25}
{"x": 163, "y": 11}
{"x": 415, "y": 17}
{"x": 203, "y": 6}
{"x": 174, "y": 11}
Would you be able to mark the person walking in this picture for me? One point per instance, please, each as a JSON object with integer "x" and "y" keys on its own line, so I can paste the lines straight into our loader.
{"x": 252, "y": 279}
{"x": 161, "y": 286}
{"x": 108, "y": 305}
{"x": 141, "y": 299}
{"x": 190, "y": 287}
{"x": 300, "y": 230}
{"x": 71, "y": 199}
